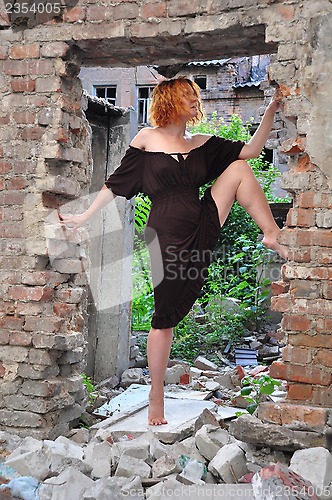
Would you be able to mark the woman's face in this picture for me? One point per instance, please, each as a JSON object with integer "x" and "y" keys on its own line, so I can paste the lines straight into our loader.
{"x": 190, "y": 103}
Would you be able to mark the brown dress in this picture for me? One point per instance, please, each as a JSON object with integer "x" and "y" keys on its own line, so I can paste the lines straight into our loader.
{"x": 182, "y": 229}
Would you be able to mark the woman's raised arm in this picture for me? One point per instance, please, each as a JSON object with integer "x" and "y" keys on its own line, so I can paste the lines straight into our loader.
{"x": 103, "y": 198}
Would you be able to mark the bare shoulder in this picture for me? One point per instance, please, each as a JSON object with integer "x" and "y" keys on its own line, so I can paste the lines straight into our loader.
{"x": 142, "y": 138}
{"x": 200, "y": 139}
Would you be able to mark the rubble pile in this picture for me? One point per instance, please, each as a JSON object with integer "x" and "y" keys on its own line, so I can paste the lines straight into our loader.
{"x": 205, "y": 448}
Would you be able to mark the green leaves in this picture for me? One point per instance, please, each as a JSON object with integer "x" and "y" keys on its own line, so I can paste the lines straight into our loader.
{"x": 254, "y": 388}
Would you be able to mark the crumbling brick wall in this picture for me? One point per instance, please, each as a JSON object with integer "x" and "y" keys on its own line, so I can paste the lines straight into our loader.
{"x": 44, "y": 149}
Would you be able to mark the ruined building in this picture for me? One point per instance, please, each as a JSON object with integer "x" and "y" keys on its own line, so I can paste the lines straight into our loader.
{"x": 46, "y": 162}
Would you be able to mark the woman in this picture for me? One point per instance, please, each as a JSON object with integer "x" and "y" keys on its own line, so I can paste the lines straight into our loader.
{"x": 170, "y": 164}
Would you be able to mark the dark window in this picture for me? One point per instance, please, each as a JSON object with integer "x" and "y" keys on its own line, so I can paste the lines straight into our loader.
{"x": 106, "y": 92}
{"x": 143, "y": 103}
{"x": 201, "y": 81}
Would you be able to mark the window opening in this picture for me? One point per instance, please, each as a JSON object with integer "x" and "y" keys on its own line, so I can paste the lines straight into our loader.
{"x": 201, "y": 81}
{"x": 143, "y": 103}
{"x": 107, "y": 92}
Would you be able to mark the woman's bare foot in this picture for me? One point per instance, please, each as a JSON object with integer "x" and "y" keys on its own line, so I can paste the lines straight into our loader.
{"x": 270, "y": 241}
{"x": 156, "y": 409}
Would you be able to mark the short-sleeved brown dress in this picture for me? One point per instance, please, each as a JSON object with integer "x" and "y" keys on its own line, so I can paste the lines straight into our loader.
{"x": 182, "y": 229}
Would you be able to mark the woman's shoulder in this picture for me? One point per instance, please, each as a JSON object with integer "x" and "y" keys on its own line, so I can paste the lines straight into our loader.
{"x": 141, "y": 139}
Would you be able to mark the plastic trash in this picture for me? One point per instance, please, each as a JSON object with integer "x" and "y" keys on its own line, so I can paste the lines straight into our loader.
{"x": 24, "y": 487}
{"x": 191, "y": 468}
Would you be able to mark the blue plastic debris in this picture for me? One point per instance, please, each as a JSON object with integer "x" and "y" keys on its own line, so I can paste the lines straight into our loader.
{"x": 24, "y": 487}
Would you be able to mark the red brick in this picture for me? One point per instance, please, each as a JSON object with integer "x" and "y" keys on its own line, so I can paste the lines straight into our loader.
{"x": 28, "y": 67}
{"x": 300, "y": 255}
{"x": 32, "y": 133}
{"x": 318, "y": 340}
{"x": 64, "y": 310}
{"x": 75, "y": 14}
{"x": 308, "y": 374}
{"x": 324, "y": 358}
{"x": 301, "y": 217}
{"x": 286, "y": 11}
{"x": 16, "y": 183}
{"x": 279, "y": 370}
{"x": 20, "y": 338}
{"x": 2, "y": 184}
{"x": 55, "y": 49}
{"x": 287, "y": 414}
{"x": 310, "y": 199}
{"x": 48, "y": 84}
{"x": 10, "y": 230}
{"x": 23, "y": 85}
{"x": 49, "y": 278}
{"x": 25, "y": 51}
{"x": 153, "y": 10}
{"x": 3, "y": 52}
{"x": 125, "y": 11}
{"x": 2, "y": 373}
{"x": 296, "y": 323}
{"x": 12, "y": 198}
{"x": 322, "y": 396}
{"x": 25, "y": 167}
{"x": 4, "y": 120}
{"x": 4, "y": 337}
{"x": 324, "y": 325}
{"x": 279, "y": 287}
{"x": 97, "y": 13}
{"x": 297, "y": 355}
{"x": 11, "y": 323}
{"x": 26, "y": 293}
{"x": 35, "y": 324}
{"x": 327, "y": 290}
{"x": 300, "y": 392}
{"x": 305, "y": 273}
{"x": 24, "y": 117}
{"x": 281, "y": 303}
{"x": 5, "y": 167}
{"x": 185, "y": 378}
{"x": 305, "y": 289}
{"x": 323, "y": 238}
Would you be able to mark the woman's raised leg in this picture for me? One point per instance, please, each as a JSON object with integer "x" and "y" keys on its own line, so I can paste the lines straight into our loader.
{"x": 239, "y": 183}
{"x": 158, "y": 350}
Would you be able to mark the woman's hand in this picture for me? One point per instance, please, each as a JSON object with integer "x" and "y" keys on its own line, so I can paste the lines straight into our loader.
{"x": 275, "y": 102}
{"x": 74, "y": 221}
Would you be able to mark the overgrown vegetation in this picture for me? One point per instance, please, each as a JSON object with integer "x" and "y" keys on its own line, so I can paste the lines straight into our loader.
{"x": 254, "y": 389}
{"x": 236, "y": 271}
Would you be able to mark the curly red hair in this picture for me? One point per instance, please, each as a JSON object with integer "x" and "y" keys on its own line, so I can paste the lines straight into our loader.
{"x": 167, "y": 101}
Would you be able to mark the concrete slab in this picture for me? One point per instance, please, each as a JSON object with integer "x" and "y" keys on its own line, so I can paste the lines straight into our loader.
{"x": 136, "y": 397}
{"x": 179, "y": 427}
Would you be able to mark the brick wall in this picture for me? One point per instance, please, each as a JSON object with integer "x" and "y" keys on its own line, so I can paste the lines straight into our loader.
{"x": 45, "y": 161}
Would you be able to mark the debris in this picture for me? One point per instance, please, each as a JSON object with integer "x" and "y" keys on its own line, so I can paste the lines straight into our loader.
{"x": 130, "y": 466}
{"x": 229, "y": 463}
{"x": 204, "y": 364}
{"x": 314, "y": 465}
{"x": 132, "y": 376}
{"x": 24, "y": 487}
{"x": 277, "y": 481}
{"x": 245, "y": 357}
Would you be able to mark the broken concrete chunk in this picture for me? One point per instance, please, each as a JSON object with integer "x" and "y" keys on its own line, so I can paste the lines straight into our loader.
{"x": 204, "y": 364}
{"x": 32, "y": 463}
{"x": 229, "y": 463}
{"x": 252, "y": 430}
{"x": 69, "y": 484}
{"x": 206, "y": 417}
{"x": 63, "y": 453}
{"x": 80, "y": 436}
{"x": 132, "y": 448}
{"x": 132, "y": 376}
{"x": 165, "y": 465}
{"x": 105, "y": 488}
{"x": 195, "y": 372}
{"x": 314, "y": 465}
{"x": 209, "y": 439}
{"x": 173, "y": 374}
{"x": 277, "y": 481}
{"x": 210, "y": 385}
{"x": 205, "y": 444}
{"x": 133, "y": 488}
{"x": 130, "y": 466}
{"x": 98, "y": 457}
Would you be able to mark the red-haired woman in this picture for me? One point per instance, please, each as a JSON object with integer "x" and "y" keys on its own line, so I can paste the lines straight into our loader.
{"x": 169, "y": 164}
